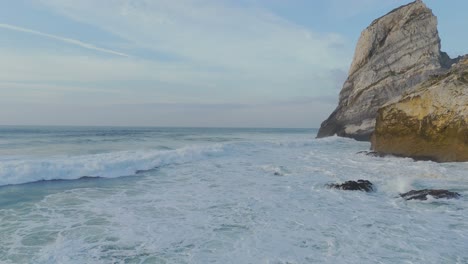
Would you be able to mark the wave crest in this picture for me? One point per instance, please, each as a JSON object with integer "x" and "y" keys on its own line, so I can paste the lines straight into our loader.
{"x": 109, "y": 165}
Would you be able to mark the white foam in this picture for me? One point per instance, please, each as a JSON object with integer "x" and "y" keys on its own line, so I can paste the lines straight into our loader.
{"x": 402, "y": 184}
{"x": 21, "y": 169}
{"x": 223, "y": 204}
{"x": 116, "y": 164}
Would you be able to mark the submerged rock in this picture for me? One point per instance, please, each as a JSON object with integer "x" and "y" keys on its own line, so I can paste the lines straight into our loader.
{"x": 360, "y": 185}
{"x": 372, "y": 153}
{"x": 422, "y": 194}
{"x": 396, "y": 52}
{"x": 430, "y": 122}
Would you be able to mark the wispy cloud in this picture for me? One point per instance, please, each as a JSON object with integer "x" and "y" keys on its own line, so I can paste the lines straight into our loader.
{"x": 62, "y": 39}
{"x": 244, "y": 48}
{"x": 216, "y": 34}
{"x": 227, "y": 59}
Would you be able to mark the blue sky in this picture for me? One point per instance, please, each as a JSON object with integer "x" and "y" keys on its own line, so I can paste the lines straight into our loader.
{"x": 228, "y": 63}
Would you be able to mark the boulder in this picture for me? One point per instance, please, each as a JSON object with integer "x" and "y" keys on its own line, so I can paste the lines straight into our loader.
{"x": 396, "y": 52}
{"x": 360, "y": 185}
{"x": 430, "y": 122}
{"x": 422, "y": 194}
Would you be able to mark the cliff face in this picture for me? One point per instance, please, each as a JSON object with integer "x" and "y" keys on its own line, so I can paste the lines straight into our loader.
{"x": 430, "y": 122}
{"x": 396, "y": 52}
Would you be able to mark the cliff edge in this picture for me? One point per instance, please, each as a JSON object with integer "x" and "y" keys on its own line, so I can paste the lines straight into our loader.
{"x": 396, "y": 52}
{"x": 430, "y": 122}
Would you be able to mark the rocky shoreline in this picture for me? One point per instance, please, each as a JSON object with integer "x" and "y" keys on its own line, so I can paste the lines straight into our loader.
{"x": 403, "y": 93}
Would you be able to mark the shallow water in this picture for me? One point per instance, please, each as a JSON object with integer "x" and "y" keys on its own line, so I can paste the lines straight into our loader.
{"x": 219, "y": 196}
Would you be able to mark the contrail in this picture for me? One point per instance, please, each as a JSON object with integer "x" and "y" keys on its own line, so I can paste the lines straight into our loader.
{"x": 66, "y": 40}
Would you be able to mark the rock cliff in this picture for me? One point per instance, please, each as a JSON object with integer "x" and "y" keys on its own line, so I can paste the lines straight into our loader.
{"x": 429, "y": 122}
{"x": 396, "y": 52}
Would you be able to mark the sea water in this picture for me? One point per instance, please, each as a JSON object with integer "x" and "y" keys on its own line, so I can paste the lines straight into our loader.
{"x": 193, "y": 195}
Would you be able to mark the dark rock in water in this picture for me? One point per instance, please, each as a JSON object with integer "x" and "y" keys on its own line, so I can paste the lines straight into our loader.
{"x": 277, "y": 173}
{"x": 375, "y": 154}
{"x": 422, "y": 194}
{"x": 360, "y": 185}
{"x": 363, "y": 152}
{"x": 372, "y": 154}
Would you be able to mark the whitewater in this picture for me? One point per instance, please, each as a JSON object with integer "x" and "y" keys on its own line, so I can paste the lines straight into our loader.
{"x": 209, "y": 195}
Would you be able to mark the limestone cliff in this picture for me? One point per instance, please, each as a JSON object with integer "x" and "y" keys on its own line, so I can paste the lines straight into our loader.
{"x": 430, "y": 122}
{"x": 396, "y": 52}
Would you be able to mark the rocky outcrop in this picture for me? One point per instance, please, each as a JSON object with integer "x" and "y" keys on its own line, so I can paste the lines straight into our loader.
{"x": 359, "y": 185}
{"x": 396, "y": 52}
{"x": 422, "y": 194}
{"x": 430, "y": 121}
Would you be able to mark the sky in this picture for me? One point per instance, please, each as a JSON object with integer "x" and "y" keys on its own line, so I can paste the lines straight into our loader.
{"x": 192, "y": 63}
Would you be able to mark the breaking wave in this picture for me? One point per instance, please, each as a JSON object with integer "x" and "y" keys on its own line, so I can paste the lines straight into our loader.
{"x": 109, "y": 165}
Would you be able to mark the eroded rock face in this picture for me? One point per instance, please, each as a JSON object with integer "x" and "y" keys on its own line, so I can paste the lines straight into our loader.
{"x": 396, "y": 52}
{"x": 422, "y": 194}
{"x": 359, "y": 185}
{"x": 429, "y": 122}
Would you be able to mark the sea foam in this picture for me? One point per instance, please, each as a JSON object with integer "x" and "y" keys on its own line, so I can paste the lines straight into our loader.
{"x": 262, "y": 199}
{"x": 109, "y": 165}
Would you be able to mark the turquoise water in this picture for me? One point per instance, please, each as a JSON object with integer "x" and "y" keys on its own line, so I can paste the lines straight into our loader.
{"x": 184, "y": 195}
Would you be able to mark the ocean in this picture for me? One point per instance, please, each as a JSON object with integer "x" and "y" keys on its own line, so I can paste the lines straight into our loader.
{"x": 209, "y": 195}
